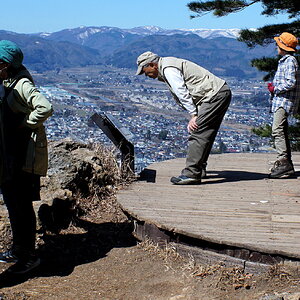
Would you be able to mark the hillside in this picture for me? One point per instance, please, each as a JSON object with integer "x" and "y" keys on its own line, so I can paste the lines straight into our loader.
{"x": 97, "y": 257}
{"x": 223, "y": 56}
{"x": 41, "y": 54}
{"x": 219, "y": 51}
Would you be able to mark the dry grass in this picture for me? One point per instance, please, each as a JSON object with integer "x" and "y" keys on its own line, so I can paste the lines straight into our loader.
{"x": 167, "y": 253}
{"x": 104, "y": 185}
{"x": 109, "y": 158}
{"x": 235, "y": 278}
{"x": 100, "y": 209}
{"x": 219, "y": 276}
{"x": 198, "y": 270}
{"x": 284, "y": 274}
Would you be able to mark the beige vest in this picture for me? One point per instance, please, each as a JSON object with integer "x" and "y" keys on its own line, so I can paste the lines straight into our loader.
{"x": 201, "y": 84}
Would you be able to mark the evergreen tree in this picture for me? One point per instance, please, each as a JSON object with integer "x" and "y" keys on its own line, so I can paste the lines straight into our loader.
{"x": 293, "y": 132}
{"x": 163, "y": 134}
{"x": 260, "y": 36}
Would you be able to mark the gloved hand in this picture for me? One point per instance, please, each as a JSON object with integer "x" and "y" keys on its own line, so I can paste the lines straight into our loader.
{"x": 271, "y": 87}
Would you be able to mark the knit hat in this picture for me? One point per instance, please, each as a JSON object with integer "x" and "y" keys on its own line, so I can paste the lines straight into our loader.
{"x": 287, "y": 41}
{"x": 11, "y": 53}
{"x": 144, "y": 59}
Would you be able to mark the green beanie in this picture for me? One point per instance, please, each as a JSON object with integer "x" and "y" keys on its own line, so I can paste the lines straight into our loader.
{"x": 11, "y": 53}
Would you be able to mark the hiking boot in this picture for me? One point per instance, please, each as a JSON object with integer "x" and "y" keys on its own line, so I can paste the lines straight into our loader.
{"x": 182, "y": 179}
{"x": 8, "y": 257}
{"x": 282, "y": 168}
{"x": 23, "y": 266}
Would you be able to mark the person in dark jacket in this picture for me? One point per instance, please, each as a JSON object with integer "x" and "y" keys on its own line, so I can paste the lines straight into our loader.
{"x": 23, "y": 154}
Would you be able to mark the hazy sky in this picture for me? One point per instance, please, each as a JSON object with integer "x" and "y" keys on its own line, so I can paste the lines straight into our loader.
{"x": 33, "y": 16}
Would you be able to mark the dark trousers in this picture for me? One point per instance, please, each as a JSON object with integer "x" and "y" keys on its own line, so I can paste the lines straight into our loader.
{"x": 19, "y": 194}
{"x": 210, "y": 116}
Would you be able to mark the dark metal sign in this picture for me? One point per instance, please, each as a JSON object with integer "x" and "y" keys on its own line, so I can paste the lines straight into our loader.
{"x": 119, "y": 136}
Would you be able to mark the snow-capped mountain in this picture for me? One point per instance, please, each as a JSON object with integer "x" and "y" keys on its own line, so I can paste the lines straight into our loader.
{"x": 214, "y": 33}
{"x": 202, "y": 32}
{"x": 215, "y": 49}
{"x": 81, "y": 34}
{"x": 146, "y": 30}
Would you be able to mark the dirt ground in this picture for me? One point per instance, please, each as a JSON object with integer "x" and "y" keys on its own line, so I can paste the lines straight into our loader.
{"x": 98, "y": 258}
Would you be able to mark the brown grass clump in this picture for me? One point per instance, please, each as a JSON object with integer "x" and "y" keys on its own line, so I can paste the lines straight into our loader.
{"x": 234, "y": 277}
{"x": 108, "y": 176}
{"x": 166, "y": 252}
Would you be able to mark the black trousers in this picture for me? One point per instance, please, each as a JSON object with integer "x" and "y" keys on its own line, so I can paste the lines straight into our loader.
{"x": 19, "y": 194}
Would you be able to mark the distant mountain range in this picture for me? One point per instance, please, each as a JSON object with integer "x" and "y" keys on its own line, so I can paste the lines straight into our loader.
{"x": 215, "y": 49}
{"x": 84, "y": 33}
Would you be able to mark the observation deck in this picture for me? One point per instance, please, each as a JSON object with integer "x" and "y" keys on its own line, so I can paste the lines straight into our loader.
{"x": 237, "y": 215}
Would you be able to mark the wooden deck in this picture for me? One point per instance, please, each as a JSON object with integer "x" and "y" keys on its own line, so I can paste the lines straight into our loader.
{"x": 237, "y": 205}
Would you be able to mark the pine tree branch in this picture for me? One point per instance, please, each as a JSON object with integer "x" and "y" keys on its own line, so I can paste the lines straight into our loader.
{"x": 222, "y": 8}
{"x": 266, "y": 64}
{"x": 265, "y": 35}
{"x": 275, "y": 7}
{"x": 219, "y": 8}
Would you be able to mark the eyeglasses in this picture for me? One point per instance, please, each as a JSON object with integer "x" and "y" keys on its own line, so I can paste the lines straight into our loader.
{"x": 145, "y": 66}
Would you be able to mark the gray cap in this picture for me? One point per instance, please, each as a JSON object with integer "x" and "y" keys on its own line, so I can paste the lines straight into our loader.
{"x": 144, "y": 59}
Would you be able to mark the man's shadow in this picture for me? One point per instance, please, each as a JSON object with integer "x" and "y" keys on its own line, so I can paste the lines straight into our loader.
{"x": 233, "y": 176}
{"x": 61, "y": 253}
{"x": 214, "y": 177}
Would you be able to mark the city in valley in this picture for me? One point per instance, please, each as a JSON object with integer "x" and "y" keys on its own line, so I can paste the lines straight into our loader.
{"x": 155, "y": 124}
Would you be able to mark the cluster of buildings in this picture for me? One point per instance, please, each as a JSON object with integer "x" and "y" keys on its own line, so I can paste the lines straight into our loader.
{"x": 157, "y": 124}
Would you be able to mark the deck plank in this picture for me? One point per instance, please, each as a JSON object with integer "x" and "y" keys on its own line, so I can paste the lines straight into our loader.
{"x": 236, "y": 205}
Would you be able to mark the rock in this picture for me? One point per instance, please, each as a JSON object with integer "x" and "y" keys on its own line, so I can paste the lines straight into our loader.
{"x": 281, "y": 296}
{"x": 76, "y": 171}
{"x": 295, "y": 296}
